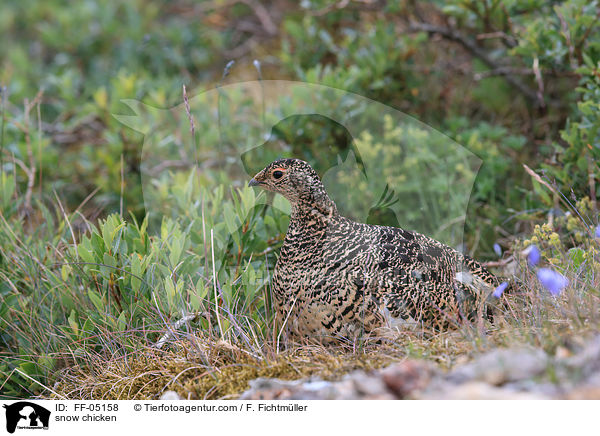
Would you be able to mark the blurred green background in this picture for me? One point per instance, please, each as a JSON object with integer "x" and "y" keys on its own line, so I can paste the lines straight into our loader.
{"x": 513, "y": 82}
{"x": 499, "y": 77}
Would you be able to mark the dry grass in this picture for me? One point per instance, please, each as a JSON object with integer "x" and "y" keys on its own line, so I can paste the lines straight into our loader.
{"x": 208, "y": 369}
{"x": 205, "y": 367}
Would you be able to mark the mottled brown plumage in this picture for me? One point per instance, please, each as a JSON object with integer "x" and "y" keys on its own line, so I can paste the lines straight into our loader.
{"x": 338, "y": 278}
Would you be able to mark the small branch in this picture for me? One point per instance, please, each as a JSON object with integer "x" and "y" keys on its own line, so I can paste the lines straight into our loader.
{"x": 263, "y": 16}
{"x": 156, "y": 170}
{"x": 565, "y": 30}
{"x": 537, "y": 178}
{"x": 557, "y": 194}
{"x": 347, "y": 4}
{"x": 122, "y": 187}
{"x": 510, "y": 40}
{"x": 592, "y": 181}
{"x": 502, "y": 71}
{"x": 506, "y": 71}
{"x": 453, "y": 35}
{"x": 212, "y": 248}
{"x": 497, "y": 263}
{"x": 584, "y": 37}
{"x": 17, "y": 161}
{"x": 170, "y": 334}
{"x": 39, "y": 126}
{"x": 31, "y": 174}
{"x": 27, "y": 106}
{"x": 540, "y": 82}
{"x": 241, "y": 50}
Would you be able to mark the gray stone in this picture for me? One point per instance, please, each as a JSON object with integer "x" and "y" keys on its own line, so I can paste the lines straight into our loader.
{"x": 502, "y": 366}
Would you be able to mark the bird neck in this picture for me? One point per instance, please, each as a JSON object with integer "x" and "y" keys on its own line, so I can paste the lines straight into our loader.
{"x": 316, "y": 208}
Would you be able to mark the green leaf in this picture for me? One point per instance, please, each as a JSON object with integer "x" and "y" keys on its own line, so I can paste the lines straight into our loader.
{"x": 229, "y": 216}
{"x": 28, "y": 368}
{"x": 576, "y": 255}
{"x": 73, "y": 322}
{"x": 177, "y": 246}
{"x": 201, "y": 288}
{"x": 270, "y": 222}
{"x": 122, "y": 321}
{"x": 169, "y": 289}
{"x": 7, "y": 189}
{"x": 88, "y": 327}
{"x": 46, "y": 362}
{"x": 85, "y": 253}
{"x": 65, "y": 272}
{"x": 280, "y": 203}
{"x": 110, "y": 263}
{"x": 96, "y": 300}
{"x": 136, "y": 271}
{"x": 588, "y": 61}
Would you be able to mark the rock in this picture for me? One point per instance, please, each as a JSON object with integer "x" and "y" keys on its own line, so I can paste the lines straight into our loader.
{"x": 368, "y": 387}
{"x": 502, "y": 366}
{"x": 478, "y": 390}
{"x": 276, "y": 389}
{"x": 408, "y": 376}
{"x": 513, "y": 373}
{"x": 270, "y": 389}
{"x": 396, "y": 381}
{"x": 587, "y": 361}
{"x": 562, "y": 353}
{"x": 583, "y": 393}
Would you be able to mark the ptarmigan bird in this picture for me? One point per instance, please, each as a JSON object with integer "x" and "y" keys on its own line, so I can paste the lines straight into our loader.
{"x": 338, "y": 278}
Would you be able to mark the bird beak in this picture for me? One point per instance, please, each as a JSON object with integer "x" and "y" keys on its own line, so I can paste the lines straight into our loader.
{"x": 253, "y": 182}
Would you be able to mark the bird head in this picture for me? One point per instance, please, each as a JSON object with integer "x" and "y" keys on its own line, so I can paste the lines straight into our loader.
{"x": 295, "y": 180}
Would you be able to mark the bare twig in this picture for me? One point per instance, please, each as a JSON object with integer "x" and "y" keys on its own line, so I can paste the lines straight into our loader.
{"x": 170, "y": 334}
{"x": 510, "y": 40}
{"x": 33, "y": 380}
{"x": 285, "y": 321}
{"x": 502, "y": 71}
{"x": 156, "y": 170}
{"x": 592, "y": 181}
{"x": 561, "y": 197}
{"x": 188, "y": 112}
{"x": 343, "y": 4}
{"x": 212, "y": 248}
{"x": 241, "y": 49}
{"x": 498, "y": 263}
{"x": 3, "y": 98}
{"x": 86, "y": 199}
{"x": 567, "y": 34}
{"x": 18, "y": 162}
{"x": 27, "y": 106}
{"x": 31, "y": 173}
{"x": 539, "y": 179}
{"x": 122, "y": 187}
{"x": 584, "y": 37}
{"x": 39, "y": 127}
{"x": 66, "y": 217}
{"x": 453, "y": 35}
{"x": 263, "y": 16}
{"x": 506, "y": 71}
{"x": 540, "y": 82}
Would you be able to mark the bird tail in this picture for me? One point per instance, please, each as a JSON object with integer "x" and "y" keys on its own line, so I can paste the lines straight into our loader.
{"x": 480, "y": 273}
{"x": 474, "y": 287}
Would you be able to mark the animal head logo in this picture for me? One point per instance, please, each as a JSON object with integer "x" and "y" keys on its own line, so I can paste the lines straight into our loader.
{"x": 25, "y": 414}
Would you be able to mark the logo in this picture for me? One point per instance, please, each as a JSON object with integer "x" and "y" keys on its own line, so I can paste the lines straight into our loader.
{"x": 26, "y": 415}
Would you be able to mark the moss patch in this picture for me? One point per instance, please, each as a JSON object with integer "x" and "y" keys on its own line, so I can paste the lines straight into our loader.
{"x": 216, "y": 370}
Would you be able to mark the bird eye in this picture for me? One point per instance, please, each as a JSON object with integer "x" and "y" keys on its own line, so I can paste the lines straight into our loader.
{"x": 277, "y": 174}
